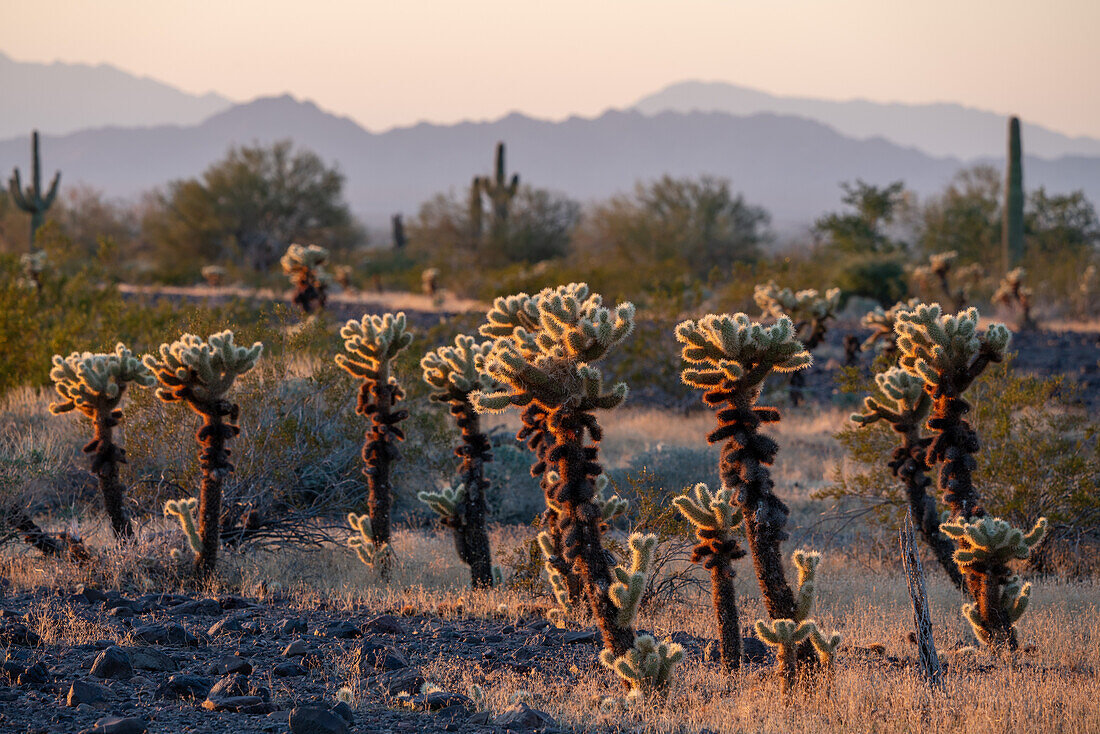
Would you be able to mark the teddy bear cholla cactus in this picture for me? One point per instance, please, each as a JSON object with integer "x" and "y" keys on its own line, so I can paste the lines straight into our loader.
{"x": 214, "y": 275}
{"x": 809, "y": 311}
{"x": 985, "y": 547}
{"x": 543, "y": 354}
{"x": 372, "y": 343}
{"x": 729, "y": 357}
{"x": 93, "y": 384}
{"x": 948, "y": 353}
{"x": 201, "y": 373}
{"x": 941, "y": 268}
{"x": 787, "y": 634}
{"x": 304, "y": 265}
{"x": 715, "y": 518}
{"x": 1013, "y": 294}
{"x": 881, "y": 322}
{"x": 901, "y": 402}
{"x": 452, "y": 374}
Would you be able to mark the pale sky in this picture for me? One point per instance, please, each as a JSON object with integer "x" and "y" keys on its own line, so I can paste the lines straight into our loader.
{"x": 402, "y": 61}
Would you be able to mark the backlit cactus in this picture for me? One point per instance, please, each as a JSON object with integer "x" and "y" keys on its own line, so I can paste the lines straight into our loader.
{"x": 985, "y": 547}
{"x": 881, "y": 322}
{"x": 902, "y": 402}
{"x": 809, "y": 311}
{"x": 948, "y": 353}
{"x": 214, "y": 275}
{"x": 372, "y": 343}
{"x": 32, "y": 199}
{"x": 304, "y": 265}
{"x": 647, "y": 666}
{"x": 372, "y": 554}
{"x": 941, "y": 270}
{"x": 1013, "y": 294}
{"x": 184, "y": 513}
{"x": 451, "y": 372}
{"x": 715, "y": 518}
{"x": 201, "y": 374}
{"x": 544, "y": 352}
{"x": 94, "y": 384}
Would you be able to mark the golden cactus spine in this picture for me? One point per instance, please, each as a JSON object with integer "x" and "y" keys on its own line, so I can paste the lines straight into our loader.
{"x": 372, "y": 343}
{"x": 201, "y": 373}
{"x": 94, "y": 384}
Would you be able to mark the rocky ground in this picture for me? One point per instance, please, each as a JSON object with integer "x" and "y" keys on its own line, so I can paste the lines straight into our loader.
{"x": 174, "y": 663}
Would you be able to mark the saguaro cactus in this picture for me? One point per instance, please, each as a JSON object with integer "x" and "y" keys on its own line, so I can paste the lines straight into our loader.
{"x": 31, "y": 199}
{"x": 809, "y": 311}
{"x": 500, "y": 191}
{"x": 201, "y": 374}
{"x": 715, "y": 518}
{"x": 453, "y": 375}
{"x": 1012, "y": 228}
{"x": 304, "y": 265}
{"x": 729, "y": 357}
{"x": 399, "y": 238}
{"x": 947, "y": 353}
{"x": 94, "y": 384}
{"x": 544, "y": 354}
{"x": 372, "y": 343}
{"x": 902, "y": 402}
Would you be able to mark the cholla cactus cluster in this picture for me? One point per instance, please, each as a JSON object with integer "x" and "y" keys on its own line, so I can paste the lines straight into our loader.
{"x": 941, "y": 270}
{"x": 201, "y": 373}
{"x": 809, "y": 310}
{"x": 214, "y": 275}
{"x": 93, "y": 384}
{"x": 715, "y": 518}
{"x": 986, "y": 545}
{"x": 372, "y": 343}
{"x": 34, "y": 265}
{"x": 626, "y": 590}
{"x": 881, "y": 322}
{"x": 304, "y": 265}
{"x": 647, "y": 666}
{"x": 184, "y": 513}
{"x": 786, "y": 634}
{"x": 372, "y": 554}
{"x": 1013, "y": 294}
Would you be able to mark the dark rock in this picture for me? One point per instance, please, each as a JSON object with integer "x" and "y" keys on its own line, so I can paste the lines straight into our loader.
{"x": 288, "y": 627}
{"x": 481, "y": 718}
{"x": 113, "y": 663}
{"x": 163, "y": 634}
{"x": 577, "y": 637}
{"x": 232, "y": 664}
{"x": 289, "y": 670}
{"x": 201, "y": 607}
{"x": 16, "y": 633}
{"x": 230, "y": 601}
{"x": 183, "y": 685}
{"x": 521, "y": 717}
{"x": 88, "y": 594}
{"x": 454, "y": 712}
{"x": 386, "y": 624}
{"x": 239, "y": 705}
{"x": 236, "y": 684}
{"x": 84, "y": 692}
{"x": 380, "y": 657}
{"x": 121, "y": 612}
{"x": 116, "y": 725}
{"x": 342, "y": 631}
{"x": 231, "y": 624}
{"x": 33, "y": 675}
{"x": 317, "y": 720}
{"x": 11, "y": 670}
{"x": 437, "y": 700}
{"x": 149, "y": 658}
{"x": 397, "y": 682}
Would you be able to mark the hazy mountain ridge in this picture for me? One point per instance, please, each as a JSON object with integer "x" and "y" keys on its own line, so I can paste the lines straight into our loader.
{"x": 790, "y": 165}
{"x": 942, "y": 129}
{"x": 62, "y": 98}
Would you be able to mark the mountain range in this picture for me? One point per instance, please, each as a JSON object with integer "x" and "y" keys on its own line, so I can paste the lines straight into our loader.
{"x": 787, "y": 162}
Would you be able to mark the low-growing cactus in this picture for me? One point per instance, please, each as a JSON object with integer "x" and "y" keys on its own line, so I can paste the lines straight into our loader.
{"x": 184, "y": 512}
{"x": 452, "y": 374}
{"x": 372, "y": 343}
{"x": 201, "y": 374}
{"x": 647, "y": 666}
{"x": 372, "y": 554}
{"x": 1013, "y": 294}
{"x": 948, "y": 353}
{"x": 304, "y": 265}
{"x": 94, "y": 384}
{"x": 986, "y": 545}
{"x": 544, "y": 352}
{"x": 809, "y": 312}
{"x": 902, "y": 402}
{"x": 714, "y": 518}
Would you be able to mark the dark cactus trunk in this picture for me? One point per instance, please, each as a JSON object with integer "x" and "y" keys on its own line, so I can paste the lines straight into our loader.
{"x": 214, "y": 462}
{"x": 724, "y": 598}
{"x": 377, "y": 399}
{"x": 580, "y": 523}
{"x": 1013, "y": 217}
{"x": 106, "y": 457}
{"x": 61, "y": 545}
{"x": 471, "y": 536}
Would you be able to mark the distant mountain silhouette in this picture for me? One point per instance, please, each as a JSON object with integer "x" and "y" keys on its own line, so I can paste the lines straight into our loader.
{"x": 790, "y": 165}
{"x": 937, "y": 129}
{"x": 61, "y": 98}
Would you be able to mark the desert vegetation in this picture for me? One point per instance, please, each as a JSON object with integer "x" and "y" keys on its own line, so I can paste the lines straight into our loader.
{"x": 556, "y": 544}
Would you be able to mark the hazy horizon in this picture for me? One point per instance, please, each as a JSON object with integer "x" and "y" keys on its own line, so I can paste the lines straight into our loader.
{"x": 443, "y": 62}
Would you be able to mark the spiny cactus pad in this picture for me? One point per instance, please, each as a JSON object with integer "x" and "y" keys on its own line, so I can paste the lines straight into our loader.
{"x": 934, "y": 344}
{"x": 446, "y": 501}
{"x": 372, "y": 342}
{"x": 453, "y": 372}
{"x": 197, "y": 371}
{"x": 648, "y": 665}
{"x": 89, "y": 382}
{"x": 723, "y": 348}
{"x": 706, "y": 510}
{"x": 901, "y": 398}
{"x": 991, "y": 540}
